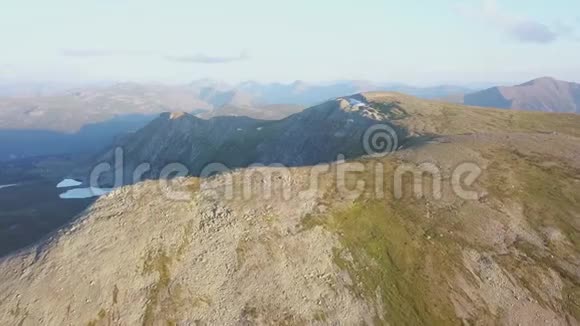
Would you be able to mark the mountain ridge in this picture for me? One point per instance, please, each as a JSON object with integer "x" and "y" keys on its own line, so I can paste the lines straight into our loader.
{"x": 542, "y": 94}
{"x": 312, "y": 136}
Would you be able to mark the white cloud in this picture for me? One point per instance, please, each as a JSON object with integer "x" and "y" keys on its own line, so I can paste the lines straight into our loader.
{"x": 517, "y": 27}
{"x": 190, "y": 58}
{"x": 203, "y": 58}
{"x": 89, "y": 52}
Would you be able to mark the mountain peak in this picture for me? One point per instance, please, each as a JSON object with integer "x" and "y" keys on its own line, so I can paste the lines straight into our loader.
{"x": 541, "y": 81}
{"x": 176, "y": 115}
{"x": 541, "y": 94}
{"x": 545, "y": 78}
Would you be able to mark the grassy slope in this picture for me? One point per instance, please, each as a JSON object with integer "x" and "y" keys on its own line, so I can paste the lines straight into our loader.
{"x": 389, "y": 246}
{"x": 407, "y": 253}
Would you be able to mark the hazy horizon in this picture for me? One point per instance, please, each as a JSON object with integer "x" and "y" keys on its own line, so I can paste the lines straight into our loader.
{"x": 71, "y": 84}
{"x": 416, "y": 43}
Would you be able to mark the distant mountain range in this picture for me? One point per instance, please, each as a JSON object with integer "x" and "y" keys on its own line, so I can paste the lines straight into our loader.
{"x": 543, "y": 94}
{"x": 89, "y": 118}
{"x": 83, "y": 119}
{"x": 70, "y": 110}
{"x": 12, "y": 88}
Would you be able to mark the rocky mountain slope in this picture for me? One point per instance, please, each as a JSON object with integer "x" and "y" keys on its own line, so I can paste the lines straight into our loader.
{"x": 328, "y": 249}
{"x": 542, "y": 94}
{"x": 318, "y": 134}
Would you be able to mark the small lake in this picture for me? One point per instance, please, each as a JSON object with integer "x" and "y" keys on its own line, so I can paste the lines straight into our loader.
{"x": 88, "y": 192}
{"x": 6, "y": 186}
{"x": 67, "y": 183}
{"x": 80, "y": 192}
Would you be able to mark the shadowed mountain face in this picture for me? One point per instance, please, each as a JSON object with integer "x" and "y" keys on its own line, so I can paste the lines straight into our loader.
{"x": 21, "y": 143}
{"x": 318, "y": 134}
{"x": 543, "y": 94}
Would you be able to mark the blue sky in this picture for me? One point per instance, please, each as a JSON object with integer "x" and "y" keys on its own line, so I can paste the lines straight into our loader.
{"x": 413, "y": 41}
